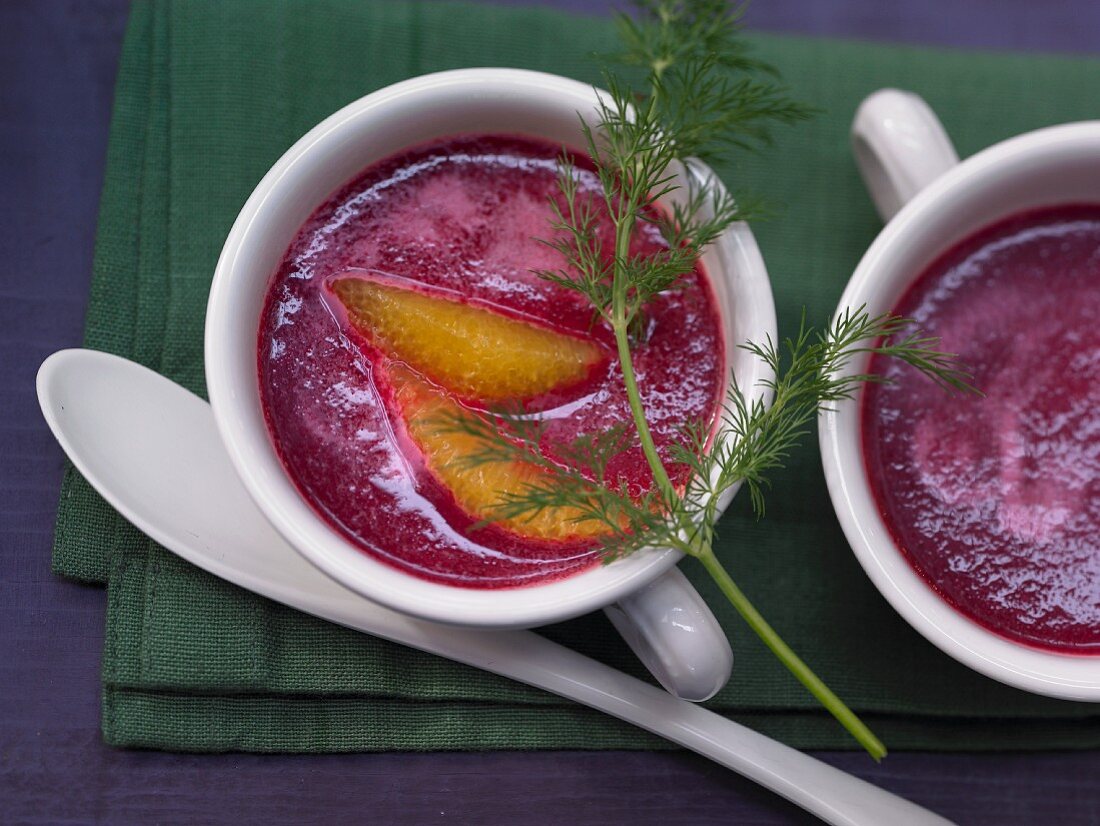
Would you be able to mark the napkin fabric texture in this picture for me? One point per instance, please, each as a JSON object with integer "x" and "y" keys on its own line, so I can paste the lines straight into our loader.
{"x": 209, "y": 95}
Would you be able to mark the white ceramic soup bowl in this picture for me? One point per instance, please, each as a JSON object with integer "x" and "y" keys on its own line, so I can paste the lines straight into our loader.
{"x": 651, "y": 603}
{"x": 932, "y": 201}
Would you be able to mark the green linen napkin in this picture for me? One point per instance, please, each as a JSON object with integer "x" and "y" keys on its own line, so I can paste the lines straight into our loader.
{"x": 209, "y": 95}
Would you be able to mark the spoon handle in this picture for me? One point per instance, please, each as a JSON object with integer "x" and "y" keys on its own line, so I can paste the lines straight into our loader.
{"x": 142, "y": 441}
{"x": 833, "y": 795}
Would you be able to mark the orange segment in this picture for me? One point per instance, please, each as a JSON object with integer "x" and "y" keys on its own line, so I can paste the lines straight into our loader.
{"x": 476, "y": 353}
{"x": 476, "y": 489}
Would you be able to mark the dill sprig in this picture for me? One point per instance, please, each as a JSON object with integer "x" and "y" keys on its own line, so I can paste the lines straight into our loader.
{"x": 758, "y": 437}
{"x": 703, "y": 95}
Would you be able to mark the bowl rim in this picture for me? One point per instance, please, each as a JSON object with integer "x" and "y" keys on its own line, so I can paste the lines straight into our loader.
{"x": 1063, "y": 675}
{"x": 281, "y": 502}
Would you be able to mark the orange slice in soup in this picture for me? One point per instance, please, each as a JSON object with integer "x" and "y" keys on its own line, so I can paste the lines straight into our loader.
{"x": 472, "y": 351}
{"x": 477, "y": 489}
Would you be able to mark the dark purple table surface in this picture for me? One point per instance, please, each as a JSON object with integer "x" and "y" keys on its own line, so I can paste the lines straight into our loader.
{"x": 57, "y": 66}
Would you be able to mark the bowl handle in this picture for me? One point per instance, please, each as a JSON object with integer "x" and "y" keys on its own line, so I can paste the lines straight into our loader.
{"x": 900, "y": 147}
{"x": 675, "y": 635}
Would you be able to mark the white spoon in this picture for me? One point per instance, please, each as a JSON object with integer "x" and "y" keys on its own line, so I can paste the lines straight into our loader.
{"x": 152, "y": 450}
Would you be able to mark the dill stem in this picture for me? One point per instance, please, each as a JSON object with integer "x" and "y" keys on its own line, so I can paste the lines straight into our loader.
{"x": 783, "y": 652}
{"x": 624, "y": 230}
{"x": 660, "y": 475}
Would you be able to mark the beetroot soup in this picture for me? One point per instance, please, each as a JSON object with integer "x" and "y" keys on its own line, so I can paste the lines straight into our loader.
{"x": 410, "y": 294}
{"x": 996, "y": 500}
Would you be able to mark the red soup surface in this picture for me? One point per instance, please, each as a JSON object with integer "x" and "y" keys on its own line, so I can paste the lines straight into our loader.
{"x": 453, "y": 225}
{"x": 996, "y": 501}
